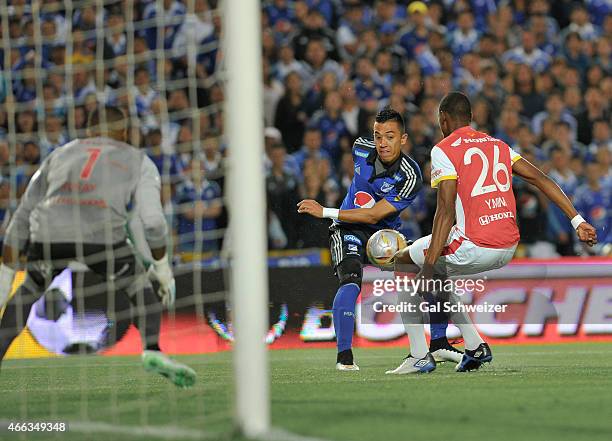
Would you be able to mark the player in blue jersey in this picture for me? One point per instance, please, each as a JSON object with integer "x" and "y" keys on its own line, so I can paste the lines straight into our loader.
{"x": 386, "y": 181}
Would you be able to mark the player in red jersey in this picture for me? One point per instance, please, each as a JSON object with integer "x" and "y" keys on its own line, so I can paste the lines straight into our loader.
{"x": 474, "y": 228}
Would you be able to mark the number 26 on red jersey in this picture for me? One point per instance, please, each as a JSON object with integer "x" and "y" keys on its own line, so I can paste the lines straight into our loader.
{"x": 498, "y": 167}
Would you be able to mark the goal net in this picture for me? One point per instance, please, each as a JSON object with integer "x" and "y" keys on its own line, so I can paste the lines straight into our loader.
{"x": 170, "y": 65}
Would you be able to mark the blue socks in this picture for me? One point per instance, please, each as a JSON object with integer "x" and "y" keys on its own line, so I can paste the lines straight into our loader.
{"x": 344, "y": 314}
{"x": 438, "y": 330}
{"x": 438, "y": 321}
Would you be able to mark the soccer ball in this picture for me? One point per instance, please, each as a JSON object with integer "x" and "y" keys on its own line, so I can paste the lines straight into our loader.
{"x": 383, "y": 245}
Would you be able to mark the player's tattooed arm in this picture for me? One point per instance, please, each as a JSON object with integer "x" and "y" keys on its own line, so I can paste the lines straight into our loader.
{"x": 530, "y": 173}
{"x": 370, "y": 216}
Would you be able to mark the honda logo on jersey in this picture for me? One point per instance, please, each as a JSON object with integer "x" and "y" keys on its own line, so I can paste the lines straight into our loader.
{"x": 363, "y": 200}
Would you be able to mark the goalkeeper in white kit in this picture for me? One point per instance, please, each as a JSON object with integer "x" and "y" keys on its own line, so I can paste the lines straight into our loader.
{"x": 76, "y": 208}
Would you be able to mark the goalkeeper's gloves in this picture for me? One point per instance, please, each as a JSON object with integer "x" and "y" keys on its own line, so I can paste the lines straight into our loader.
{"x": 7, "y": 274}
{"x": 160, "y": 270}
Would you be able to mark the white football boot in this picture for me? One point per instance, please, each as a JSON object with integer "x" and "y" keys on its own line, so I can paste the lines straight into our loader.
{"x": 413, "y": 365}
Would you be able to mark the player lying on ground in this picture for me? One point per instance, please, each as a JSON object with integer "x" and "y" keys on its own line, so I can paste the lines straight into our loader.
{"x": 385, "y": 182}
{"x": 75, "y": 208}
{"x": 474, "y": 227}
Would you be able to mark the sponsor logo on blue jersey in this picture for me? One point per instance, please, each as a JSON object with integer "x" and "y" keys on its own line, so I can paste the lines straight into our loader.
{"x": 361, "y": 154}
{"x": 352, "y": 238}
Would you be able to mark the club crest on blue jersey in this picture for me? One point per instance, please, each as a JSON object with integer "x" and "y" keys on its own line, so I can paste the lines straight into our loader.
{"x": 386, "y": 187}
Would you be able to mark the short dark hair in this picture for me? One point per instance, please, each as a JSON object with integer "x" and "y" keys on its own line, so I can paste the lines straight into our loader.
{"x": 457, "y": 105}
{"x": 389, "y": 114}
{"x": 110, "y": 115}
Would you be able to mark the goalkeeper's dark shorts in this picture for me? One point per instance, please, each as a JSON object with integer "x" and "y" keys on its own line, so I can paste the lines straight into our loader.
{"x": 113, "y": 262}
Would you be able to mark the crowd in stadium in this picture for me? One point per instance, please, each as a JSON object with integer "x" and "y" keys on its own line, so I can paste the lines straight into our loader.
{"x": 539, "y": 78}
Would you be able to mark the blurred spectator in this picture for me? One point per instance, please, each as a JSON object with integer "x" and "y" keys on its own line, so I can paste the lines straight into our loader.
{"x": 350, "y": 107}
{"x": 115, "y": 36}
{"x": 283, "y": 192}
{"x": 286, "y": 63}
{"x": 559, "y": 225}
{"x": 196, "y": 27}
{"x": 313, "y": 141}
{"x": 509, "y": 124}
{"x": 594, "y": 201}
{"x": 26, "y": 124}
{"x": 417, "y": 31}
{"x": 464, "y": 39}
{"x": 525, "y": 141}
{"x": 580, "y": 24}
{"x": 529, "y": 54}
{"x": 316, "y": 63}
{"x": 290, "y": 114}
{"x": 168, "y": 18}
{"x": 168, "y": 165}
{"x": 355, "y": 20}
{"x": 273, "y": 91}
{"x": 420, "y": 138}
{"x": 53, "y": 135}
{"x": 532, "y": 213}
{"x": 525, "y": 88}
{"x": 143, "y": 93}
{"x": 601, "y": 136}
{"x": 31, "y": 154}
{"x": 213, "y": 159}
{"x": 574, "y": 53}
{"x": 332, "y": 126}
{"x": 482, "y": 116}
{"x": 315, "y": 29}
{"x": 492, "y": 91}
{"x": 368, "y": 84}
{"x": 595, "y": 109}
{"x": 313, "y": 232}
{"x": 555, "y": 110}
{"x": 563, "y": 139}
{"x": 603, "y": 157}
{"x": 9, "y": 170}
{"x": 199, "y": 206}
{"x": 316, "y": 97}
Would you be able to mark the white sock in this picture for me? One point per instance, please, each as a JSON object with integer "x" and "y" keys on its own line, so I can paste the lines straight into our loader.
{"x": 413, "y": 323}
{"x": 462, "y": 320}
{"x": 418, "y": 343}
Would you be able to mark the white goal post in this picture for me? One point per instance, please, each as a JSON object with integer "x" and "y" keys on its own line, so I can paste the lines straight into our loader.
{"x": 247, "y": 208}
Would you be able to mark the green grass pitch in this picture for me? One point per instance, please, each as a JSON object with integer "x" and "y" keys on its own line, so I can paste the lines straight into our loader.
{"x": 544, "y": 392}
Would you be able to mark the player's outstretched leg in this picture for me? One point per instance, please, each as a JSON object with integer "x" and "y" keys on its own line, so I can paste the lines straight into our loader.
{"x": 420, "y": 359}
{"x": 147, "y": 318}
{"x": 180, "y": 374}
{"x": 349, "y": 274}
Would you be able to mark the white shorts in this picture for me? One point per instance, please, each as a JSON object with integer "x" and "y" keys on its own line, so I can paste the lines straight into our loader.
{"x": 460, "y": 256}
